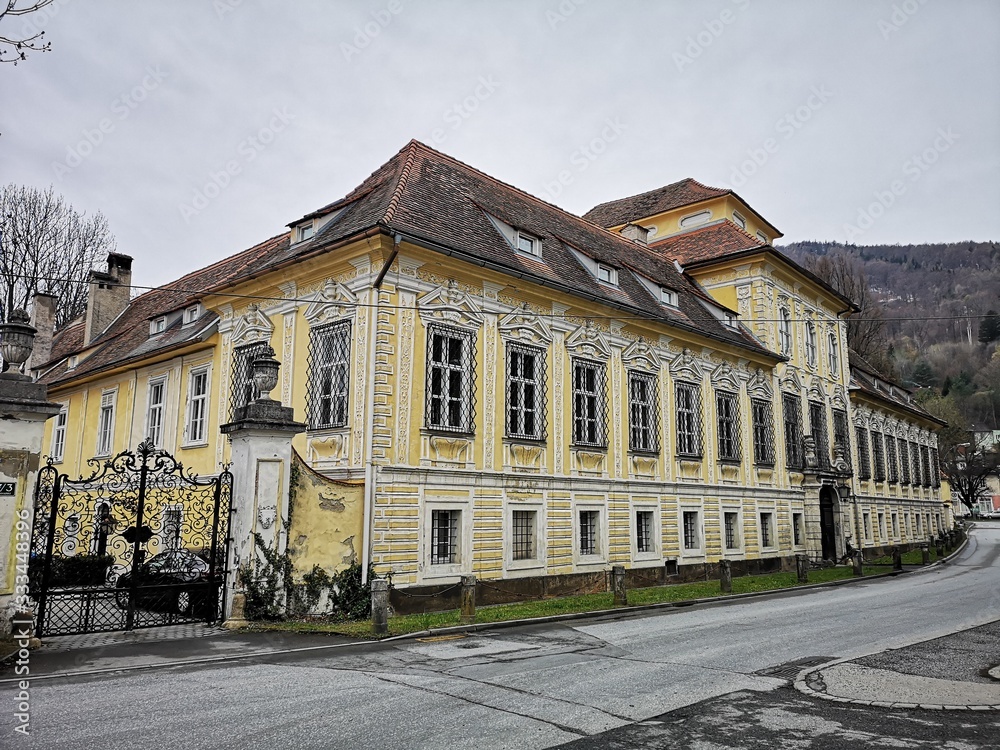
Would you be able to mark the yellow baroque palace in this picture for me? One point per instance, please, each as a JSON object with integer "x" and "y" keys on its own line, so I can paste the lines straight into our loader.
{"x": 515, "y": 391}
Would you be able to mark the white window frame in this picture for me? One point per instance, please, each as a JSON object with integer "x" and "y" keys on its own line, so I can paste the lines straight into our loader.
{"x": 739, "y": 220}
{"x": 106, "y": 433}
{"x": 607, "y": 274}
{"x": 156, "y": 413}
{"x": 463, "y": 540}
{"x": 655, "y": 536}
{"x": 305, "y": 231}
{"x": 58, "y": 447}
{"x": 798, "y": 529}
{"x": 157, "y": 325}
{"x": 163, "y": 540}
{"x": 534, "y": 244}
{"x": 882, "y": 535}
{"x": 894, "y": 524}
{"x": 833, "y": 355}
{"x": 582, "y": 417}
{"x": 785, "y": 331}
{"x": 772, "y": 529}
{"x": 516, "y": 409}
{"x": 740, "y": 547}
{"x": 699, "y": 529}
{"x": 866, "y": 525}
{"x": 190, "y": 439}
{"x": 322, "y": 368}
{"x": 538, "y": 561}
{"x": 696, "y": 219}
{"x": 810, "y": 343}
{"x": 668, "y": 296}
{"x": 191, "y": 314}
{"x": 467, "y": 368}
{"x": 643, "y": 414}
{"x": 762, "y": 237}
{"x": 600, "y": 555}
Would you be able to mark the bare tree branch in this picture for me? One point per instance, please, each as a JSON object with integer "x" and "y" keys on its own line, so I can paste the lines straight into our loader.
{"x": 15, "y": 48}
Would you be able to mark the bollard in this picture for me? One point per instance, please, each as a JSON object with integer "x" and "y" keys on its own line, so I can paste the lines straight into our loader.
{"x": 940, "y": 550}
{"x": 897, "y": 559}
{"x": 859, "y": 563}
{"x": 725, "y": 576}
{"x": 380, "y": 606}
{"x": 925, "y": 554}
{"x": 618, "y": 585}
{"x": 802, "y": 568}
{"x": 468, "y": 615}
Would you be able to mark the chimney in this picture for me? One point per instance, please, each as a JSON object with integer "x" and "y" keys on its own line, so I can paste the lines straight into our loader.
{"x": 108, "y": 295}
{"x": 635, "y": 233}
{"x": 43, "y": 319}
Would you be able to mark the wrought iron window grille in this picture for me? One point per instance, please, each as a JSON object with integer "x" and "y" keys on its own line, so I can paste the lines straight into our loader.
{"x": 731, "y": 522}
{"x": 915, "y": 460}
{"x": 792, "y": 416}
{"x": 817, "y": 426}
{"x": 244, "y": 390}
{"x": 644, "y": 531}
{"x": 925, "y": 463}
{"x": 444, "y": 536}
{"x": 644, "y": 430}
{"x": 450, "y": 400}
{"x": 589, "y": 520}
{"x": 891, "y": 462}
{"x": 728, "y": 416}
{"x": 763, "y": 431}
{"x": 526, "y": 418}
{"x": 523, "y": 534}
{"x": 590, "y": 404}
{"x": 328, "y": 379}
{"x": 878, "y": 456}
{"x": 841, "y": 436}
{"x": 903, "y": 448}
{"x": 688, "y": 415}
{"x": 689, "y": 522}
{"x": 935, "y": 469}
{"x": 864, "y": 458}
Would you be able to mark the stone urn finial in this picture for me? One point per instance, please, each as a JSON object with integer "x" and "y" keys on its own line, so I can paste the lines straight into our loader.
{"x": 265, "y": 373}
{"x": 17, "y": 338}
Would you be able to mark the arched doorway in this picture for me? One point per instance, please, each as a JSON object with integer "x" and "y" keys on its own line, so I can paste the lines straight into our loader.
{"x": 827, "y": 521}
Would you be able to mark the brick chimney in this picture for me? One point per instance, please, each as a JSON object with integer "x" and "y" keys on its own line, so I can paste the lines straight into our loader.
{"x": 635, "y": 233}
{"x": 43, "y": 319}
{"x": 108, "y": 295}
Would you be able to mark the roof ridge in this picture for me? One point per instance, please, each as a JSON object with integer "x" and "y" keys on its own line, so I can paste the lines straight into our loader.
{"x": 657, "y": 189}
{"x": 401, "y": 181}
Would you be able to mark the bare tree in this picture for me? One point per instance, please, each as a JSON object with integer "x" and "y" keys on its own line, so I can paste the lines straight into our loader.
{"x": 47, "y": 246}
{"x": 14, "y": 47}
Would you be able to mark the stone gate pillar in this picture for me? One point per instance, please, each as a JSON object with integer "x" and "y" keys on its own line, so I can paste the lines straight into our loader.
{"x": 23, "y": 411}
{"x": 261, "y": 434}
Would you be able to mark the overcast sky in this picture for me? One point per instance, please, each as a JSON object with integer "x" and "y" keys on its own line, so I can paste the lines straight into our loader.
{"x": 201, "y": 127}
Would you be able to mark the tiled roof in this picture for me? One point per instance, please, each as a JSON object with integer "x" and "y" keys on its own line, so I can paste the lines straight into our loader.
{"x": 633, "y": 208}
{"x": 866, "y": 378}
{"x": 710, "y": 242}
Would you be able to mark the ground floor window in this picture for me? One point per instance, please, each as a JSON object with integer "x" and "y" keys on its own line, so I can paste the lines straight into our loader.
{"x": 589, "y": 525}
{"x": 644, "y": 539}
{"x": 444, "y": 536}
{"x": 797, "y": 529}
{"x": 881, "y": 527}
{"x": 895, "y": 526}
{"x": 866, "y": 518}
{"x": 766, "y": 530}
{"x": 731, "y": 529}
{"x": 523, "y": 536}
{"x": 691, "y": 530}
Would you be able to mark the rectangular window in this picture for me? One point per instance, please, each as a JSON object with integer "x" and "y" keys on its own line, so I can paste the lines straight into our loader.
{"x": 688, "y": 409}
{"x": 197, "y": 416}
{"x": 644, "y": 434}
{"x": 891, "y": 464}
{"x": 915, "y": 458}
{"x": 864, "y": 459}
{"x": 935, "y": 468}
{"x": 817, "y": 427}
{"x": 792, "y": 408}
{"x": 525, "y": 392}
{"x": 644, "y": 539}
{"x": 243, "y": 390}
{"x": 444, "y": 536}
{"x": 763, "y": 432}
{"x": 867, "y": 520}
{"x": 766, "y": 530}
{"x": 797, "y": 529}
{"x": 692, "y": 534}
{"x": 607, "y": 274}
{"x": 728, "y": 414}
{"x": 328, "y": 375}
{"x": 156, "y": 402}
{"x": 925, "y": 466}
{"x": 589, "y": 403}
{"x": 904, "y": 459}
{"x": 878, "y": 456}
{"x": 59, "y": 435}
{"x": 528, "y": 244}
{"x": 731, "y": 529}
{"x": 895, "y": 525}
{"x": 841, "y": 437}
{"x": 191, "y": 314}
{"x": 668, "y": 296}
{"x": 917, "y": 519}
{"x": 523, "y": 527}
{"x": 106, "y": 424}
{"x": 881, "y": 527}
{"x": 589, "y": 520}
{"x": 170, "y": 529}
{"x": 449, "y": 379}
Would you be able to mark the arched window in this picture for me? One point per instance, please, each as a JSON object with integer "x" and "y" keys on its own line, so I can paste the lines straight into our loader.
{"x": 785, "y": 331}
{"x": 834, "y": 355}
{"x": 810, "y": 344}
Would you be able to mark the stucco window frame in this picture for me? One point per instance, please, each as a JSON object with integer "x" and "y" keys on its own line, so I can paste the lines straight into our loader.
{"x": 691, "y": 553}
{"x": 772, "y": 526}
{"x": 537, "y": 563}
{"x": 187, "y": 441}
{"x": 446, "y": 571}
{"x": 160, "y": 379}
{"x": 726, "y": 507}
{"x": 600, "y": 557}
{"x": 59, "y": 429}
{"x": 100, "y": 450}
{"x": 655, "y": 555}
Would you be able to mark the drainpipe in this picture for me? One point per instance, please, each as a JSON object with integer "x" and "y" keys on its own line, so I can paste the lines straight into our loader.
{"x": 370, "y": 469}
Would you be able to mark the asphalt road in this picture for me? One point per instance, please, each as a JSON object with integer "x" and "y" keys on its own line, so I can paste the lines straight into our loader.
{"x": 591, "y": 683}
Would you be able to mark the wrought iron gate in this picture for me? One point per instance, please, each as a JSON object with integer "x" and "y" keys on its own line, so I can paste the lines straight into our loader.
{"x": 140, "y": 542}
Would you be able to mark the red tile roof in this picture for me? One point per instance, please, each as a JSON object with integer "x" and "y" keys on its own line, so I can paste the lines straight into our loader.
{"x": 866, "y": 378}
{"x": 644, "y": 205}
{"x": 710, "y": 242}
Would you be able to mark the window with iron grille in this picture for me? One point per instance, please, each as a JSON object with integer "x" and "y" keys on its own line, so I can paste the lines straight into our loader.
{"x": 688, "y": 408}
{"x": 329, "y": 375}
{"x": 243, "y": 390}
{"x": 891, "y": 464}
{"x": 155, "y": 405}
{"x": 878, "y": 456}
{"x": 925, "y": 465}
{"x": 915, "y": 459}
{"x": 444, "y": 536}
{"x": 797, "y": 529}
{"x": 817, "y": 427}
{"x": 450, "y": 377}
{"x": 791, "y": 407}
{"x": 728, "y": 414}
{"x": 59, "y": 435}
{"x": 731, "y": 528}
{"x": 785, "y": 331}
{"x": 904, "y": 459}
{"x": 106, "y": 424}
{"x": 523, "y": 534}
{"x": 692, "y": 539}
{"x": 763, "y": 431}
{"x": 766, "y": 530}
{"x": 589, "y": 520}
{"x": 935, "y": 468}
{"x": 525, "y": 392}
{"x": 864, "y": 459}
{"x": 644, "y": 539}
{"x": 841, "y": 437}
{"x": 644, "y": 433}
{"x": 589, "y": 403}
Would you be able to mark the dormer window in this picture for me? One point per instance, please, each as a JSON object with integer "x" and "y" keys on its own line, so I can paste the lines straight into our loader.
{"x": 306, "y": 231}
{"x": 731, "y": 320}
{"x": 739, "y": 220}
{"x": 191, "y": 314}
{"x": 762, "y": 237}
{"x": 528, "y": 245}
{"x": 157, "y": 325}
{"x": 607, "y": 274}
{"x": 74, "y": 360}
{"x": 668, "y": 296}
{"x": 693, "y": 220}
